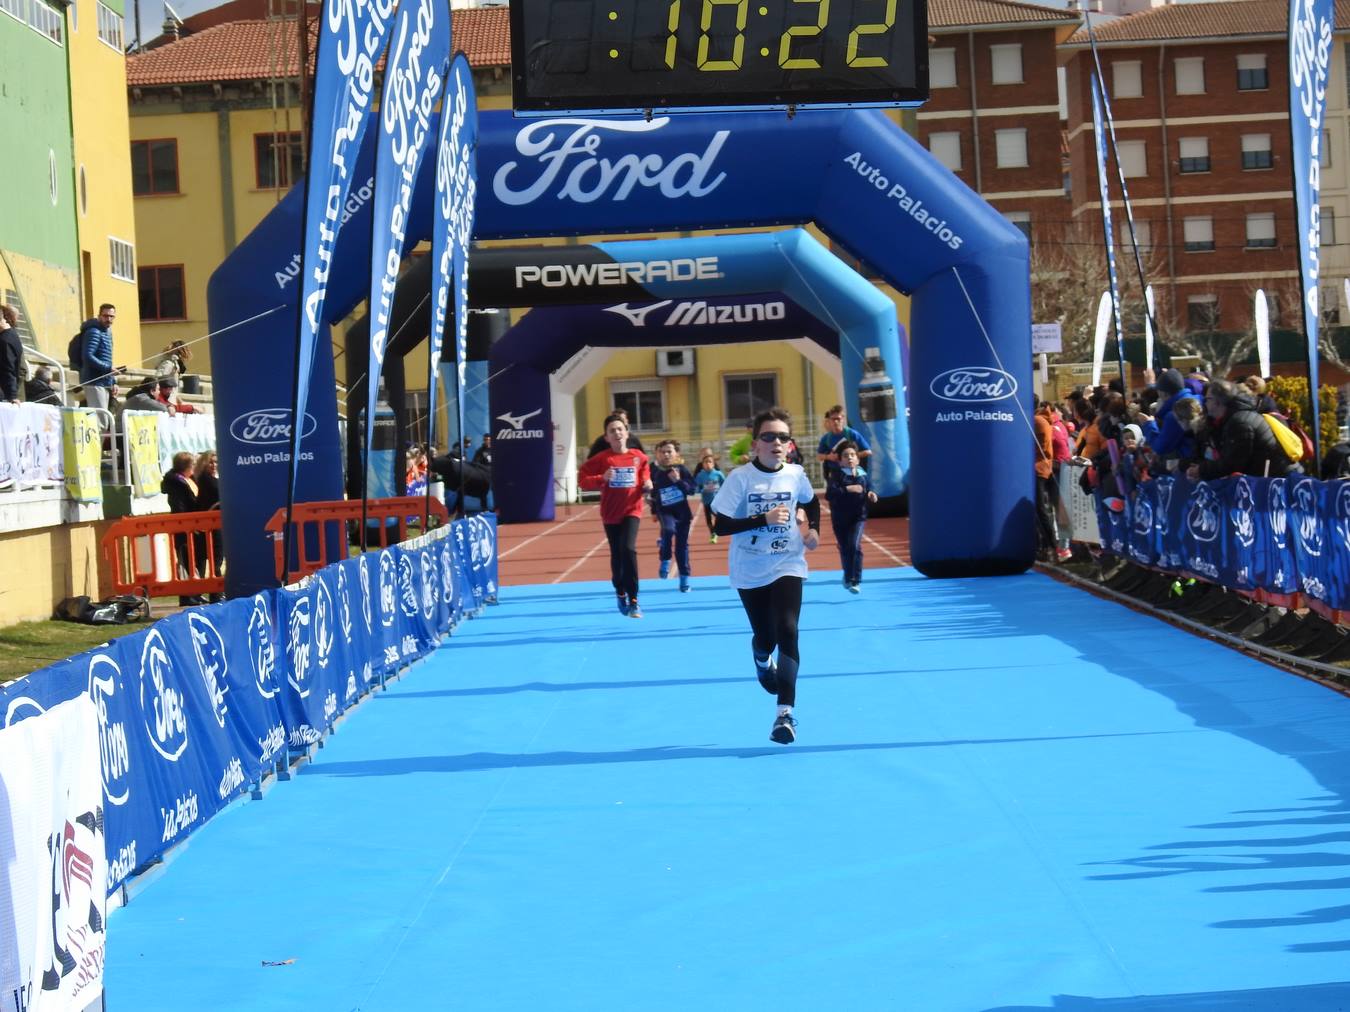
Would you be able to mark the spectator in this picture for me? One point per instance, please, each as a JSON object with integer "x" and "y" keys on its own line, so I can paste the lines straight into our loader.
{"x": 38, "y": 390}
{"x": 12, "y": 369}
{"x": 97, "y": 375}
{"x": 207, "y": 475}
{"x": 1175, "y": 439}
{"x": 1264, "y": 402}
{"x": 483, "y": 455}
{"x": 142, "y": 397}
{"x": 173, "y": 362}
{"x": 601, "y": 443}
{"x": 181, "y": 488}
{"x": 166, "y": 392}
{"x": 836, "y": 431}
{"x": 1246, "y": 444}
{"x": 1047, "y": 537}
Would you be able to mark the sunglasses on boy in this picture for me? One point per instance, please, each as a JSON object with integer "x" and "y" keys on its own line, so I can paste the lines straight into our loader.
{"x": 774, "y": 437}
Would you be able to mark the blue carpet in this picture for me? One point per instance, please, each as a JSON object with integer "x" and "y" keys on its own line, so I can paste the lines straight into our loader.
{"x": 1006, "y": 795}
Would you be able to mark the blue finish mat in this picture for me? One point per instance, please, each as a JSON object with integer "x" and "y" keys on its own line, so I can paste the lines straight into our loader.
{"x": 1006, "y": 795}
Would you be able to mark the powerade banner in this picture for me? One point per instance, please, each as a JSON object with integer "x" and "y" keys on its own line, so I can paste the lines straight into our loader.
{"x": 1310, "y": 28}
{"x": 418, "y": 51}
{"x": 1099, "y": 142}
{"x": 452, "y": 231}
{"x": 193, "y": 710}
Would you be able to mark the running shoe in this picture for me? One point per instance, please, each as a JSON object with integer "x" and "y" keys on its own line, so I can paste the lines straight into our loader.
{"x": 767, "y": 673}
{"x": 684, "y": 584}
{"x": 1064, "y": 554}
{"x": 713, "y": 539}
{"x": 623, "y": 605}
{"x": 784, "y": 729}
{"x": 665, "y": 569}
{"x": 634, "y": 611}
{"x": 853, "y": 588}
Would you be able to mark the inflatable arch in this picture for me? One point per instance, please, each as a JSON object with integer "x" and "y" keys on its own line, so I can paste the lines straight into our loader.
{"x": 662, "y": 300}
{"x": 863, "y": 181}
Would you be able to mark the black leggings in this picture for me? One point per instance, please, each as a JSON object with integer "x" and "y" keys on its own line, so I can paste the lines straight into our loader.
{"x": 623, "y": 564}
{"x": 773, "y": 611}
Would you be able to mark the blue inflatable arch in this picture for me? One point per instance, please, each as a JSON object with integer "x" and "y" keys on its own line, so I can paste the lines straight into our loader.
{"x": 547, "y": 339}
{"x": 863, "y": 181}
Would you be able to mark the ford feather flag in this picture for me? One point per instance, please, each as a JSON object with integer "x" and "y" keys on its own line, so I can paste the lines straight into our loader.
{"x": 419, "y": 45}
{"x": 351, "y": 39}
{"x": 1099, "y": 137}
{"x": 1310, "y": 26}
{"x": 456, "y": 188}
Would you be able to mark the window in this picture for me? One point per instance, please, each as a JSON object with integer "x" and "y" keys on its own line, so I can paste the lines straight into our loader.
{"x": 1273, "y": 308}
{"x": 1010, "y": 148}
{"x": 1127, "y": 79}
{"x": 1329, "y": 307}
{"x": 746, "y": 395}
{"x": 1133, "y": 158}
{"x": 1261, "y": 230}
{"x": 1328, "y": 219}
{"x": 1194, "y": 154}
{"x": 44, "y": 19}
{"x": 123, "y": 257}
{"x": 1143, "y": 234}
{"x": 1190, "y": 72}
{"x": 1007, "y": 63}
{"x": 1324, "y": 155}
{"x": 154, "y": 167}
{"x": 946, "y": 148}
{"x": 109, "y": 27}
{"x": 1252, "y": 74}
{"x": 161, "y": 293}
{"x": 277, "y": 159}
{"x": 1256, "y": 151}
{"x": 1198, "y": 234}
{"x": 942, "y": 68}
{"x": 1202, "y": 311}
{"x": 1022, "y": 219}
{"x": 643, "y": 399}
{"x": 16, "y": 9}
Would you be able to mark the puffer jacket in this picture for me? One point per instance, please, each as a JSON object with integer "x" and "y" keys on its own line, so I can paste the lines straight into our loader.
{"x": 1246, "y": 445}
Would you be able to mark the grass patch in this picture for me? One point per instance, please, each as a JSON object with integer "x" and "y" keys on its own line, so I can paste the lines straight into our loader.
{"x": 31, "y": 645}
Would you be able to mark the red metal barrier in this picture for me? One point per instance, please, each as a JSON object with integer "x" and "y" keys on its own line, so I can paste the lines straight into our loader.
{"x": 312, "y": 517}
{"x": 188, "y": 550}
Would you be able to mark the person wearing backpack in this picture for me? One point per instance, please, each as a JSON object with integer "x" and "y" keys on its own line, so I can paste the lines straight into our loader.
{"x": 97, "y": 374}
{"x": 1246, "y": 442}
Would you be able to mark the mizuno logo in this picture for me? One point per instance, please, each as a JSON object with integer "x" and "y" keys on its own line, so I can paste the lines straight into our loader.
{"x": 517, "y": 422}
{"x": 699, "y": 313}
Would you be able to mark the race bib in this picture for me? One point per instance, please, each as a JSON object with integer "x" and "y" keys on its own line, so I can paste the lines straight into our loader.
{"x": 624, "y": 477}
{"x": 771, "y": 538}
{"x": 671, "y": 494}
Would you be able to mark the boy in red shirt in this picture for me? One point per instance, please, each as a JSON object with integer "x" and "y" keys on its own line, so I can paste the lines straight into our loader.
{"x": 623, "y": 477}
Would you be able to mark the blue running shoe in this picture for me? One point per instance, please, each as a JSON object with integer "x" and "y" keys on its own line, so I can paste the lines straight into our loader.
{"x": 623, "y": 605}
{"x": 634, "y": 611}
{"x": 784, "y": 729}
{"x": 684, "y": 584}
{"x": 665, "y": 568}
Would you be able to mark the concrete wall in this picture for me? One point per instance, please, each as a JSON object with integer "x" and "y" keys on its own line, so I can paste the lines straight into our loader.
{"x": 40, "y": 568}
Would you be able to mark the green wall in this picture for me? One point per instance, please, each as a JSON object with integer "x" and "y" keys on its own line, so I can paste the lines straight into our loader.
{"x": 35, "y": 122}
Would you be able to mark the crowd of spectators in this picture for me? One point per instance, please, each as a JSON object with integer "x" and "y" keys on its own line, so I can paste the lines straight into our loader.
{"x": 1190, "y": 426}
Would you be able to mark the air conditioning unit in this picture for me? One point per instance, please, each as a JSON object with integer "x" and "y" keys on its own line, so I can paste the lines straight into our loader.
{"x": 675, "y": 362}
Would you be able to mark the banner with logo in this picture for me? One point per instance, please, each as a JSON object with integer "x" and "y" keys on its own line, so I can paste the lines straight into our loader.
{"x": 1310, "y": 42}
{"x": 419, "y": 48}
{"x": 350, "y": 43}
{"x": 140, "y": 429}
{"x": 195, "y": 433}
{"x": 82, "y": 442}
{"x": 452, "y": 230}
{"x": 31, "y": 445}
{"x": 54, "y": 861}
{"x": 1103, "y": 189}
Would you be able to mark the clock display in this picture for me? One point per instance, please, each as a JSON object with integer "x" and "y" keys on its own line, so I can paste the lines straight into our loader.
{"x": 666, "y": 54}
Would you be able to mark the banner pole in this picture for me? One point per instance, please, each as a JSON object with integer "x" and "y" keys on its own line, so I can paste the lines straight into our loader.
{"x": 1103, "y": 186}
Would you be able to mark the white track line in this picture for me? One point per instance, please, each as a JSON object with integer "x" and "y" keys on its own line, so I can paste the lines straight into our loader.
{"x": 544, "y": 534}
{"x": 564, "y": 574}
{"x": 883, "y": 550}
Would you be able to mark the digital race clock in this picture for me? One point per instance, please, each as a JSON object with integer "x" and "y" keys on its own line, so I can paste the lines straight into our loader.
{"x": 665, "y": 54}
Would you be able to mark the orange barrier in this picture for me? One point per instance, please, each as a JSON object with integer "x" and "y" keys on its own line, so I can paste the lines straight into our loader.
{"x": 310, "y": 518}
{"x": 161, "y": 554}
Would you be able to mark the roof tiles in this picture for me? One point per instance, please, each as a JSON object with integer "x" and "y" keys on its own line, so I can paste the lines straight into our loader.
{"x": 1221, "y": 19}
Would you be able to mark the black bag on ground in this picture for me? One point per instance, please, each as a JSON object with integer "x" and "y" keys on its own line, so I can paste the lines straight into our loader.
{"x": 117, "y": 610}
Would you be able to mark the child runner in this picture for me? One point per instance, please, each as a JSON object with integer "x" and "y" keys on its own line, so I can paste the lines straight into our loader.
{"x": 622, "y": 475}
{"x": 758, "y": 505}
{"x": 848, "y": 491}
{"x": 708, "y": 479}
{"x": 672, "y": 485}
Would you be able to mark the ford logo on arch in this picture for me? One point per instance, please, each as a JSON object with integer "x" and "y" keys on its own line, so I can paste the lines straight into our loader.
{"x": 266, "y": 426}
{"x": 971, "y": 384}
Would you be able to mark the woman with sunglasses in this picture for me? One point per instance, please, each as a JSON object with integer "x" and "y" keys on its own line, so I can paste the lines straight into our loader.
{"x": 759, "y": 506}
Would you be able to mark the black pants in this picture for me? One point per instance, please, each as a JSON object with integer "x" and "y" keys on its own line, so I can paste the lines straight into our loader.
{"x": 1047, "y": 496}
{"x": 848, "y": 534}
{"x": 623, "y": 564}
{"x": 773, "y": 611}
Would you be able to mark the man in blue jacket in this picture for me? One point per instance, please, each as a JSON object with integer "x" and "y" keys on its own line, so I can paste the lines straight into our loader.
{"x": 97, "y": 375}
{"x": 1173, "y": 440}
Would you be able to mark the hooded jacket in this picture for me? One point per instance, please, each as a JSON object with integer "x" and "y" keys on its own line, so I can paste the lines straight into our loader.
{"x": 1173, "y": 438}
{"x": 1246, "y": 444}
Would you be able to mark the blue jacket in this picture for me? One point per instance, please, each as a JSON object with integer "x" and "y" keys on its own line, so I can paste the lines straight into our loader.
{"x": 846, "y": 506}
{"x": 96, "y": 348}
{"x": 672, "y": 496}
{"x": 1171, "y": 437}
{"x": 708, "y": 483}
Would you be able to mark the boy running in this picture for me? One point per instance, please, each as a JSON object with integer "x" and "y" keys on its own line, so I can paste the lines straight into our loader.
{"x": 622, "y": 475}
{"x": 672, "y": 485}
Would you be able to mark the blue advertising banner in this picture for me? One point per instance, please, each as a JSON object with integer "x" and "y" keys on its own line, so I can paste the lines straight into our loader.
{"x": 201, "y": 705}
{"x": 351, "y": 39}
{"x": 1099, "y": 141}
{"x": 418, "y": 49}
{"x": 1310, "y": 29}
{"x": 452, "y": 230}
